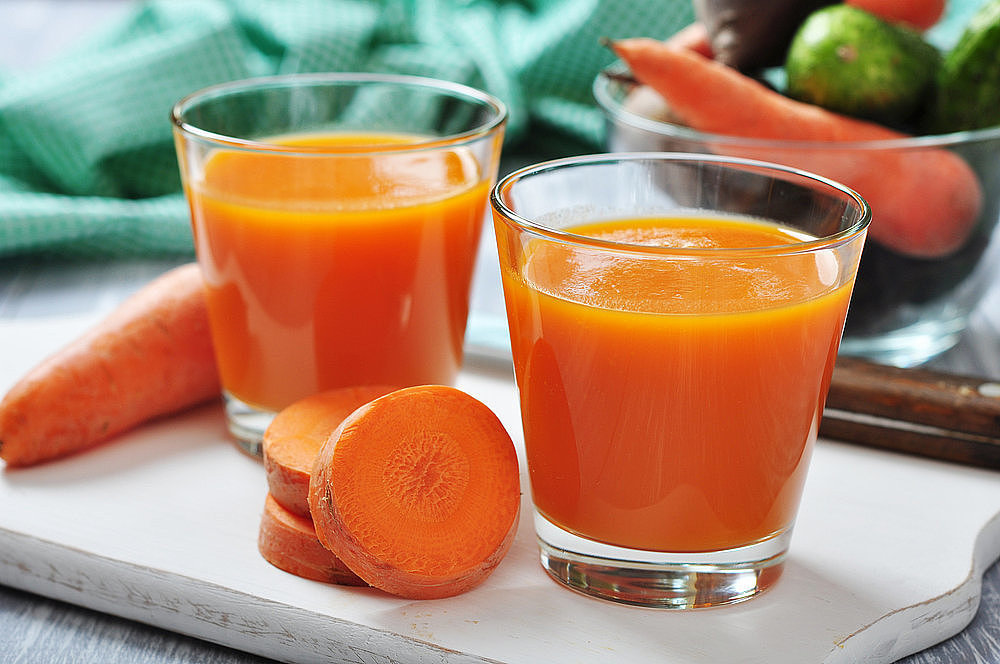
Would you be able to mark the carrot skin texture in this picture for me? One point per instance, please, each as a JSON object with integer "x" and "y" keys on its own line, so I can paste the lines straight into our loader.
{"x": 924, "y": 204}
{"x": 295, "y": 435}
{"x": 418, "y": 492}
{"x": 288, "y": 541}
{"x": 151, "y": 357}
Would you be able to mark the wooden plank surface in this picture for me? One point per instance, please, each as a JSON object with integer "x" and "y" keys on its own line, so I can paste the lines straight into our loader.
{"x": 160, "y": 527}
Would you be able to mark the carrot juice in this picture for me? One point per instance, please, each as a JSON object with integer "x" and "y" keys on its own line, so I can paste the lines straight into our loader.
{"x": 338, "y": 263}
{"x": 670, "y": 404}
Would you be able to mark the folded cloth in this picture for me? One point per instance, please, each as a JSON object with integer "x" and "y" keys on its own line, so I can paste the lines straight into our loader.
{"x": 87, "y": 163}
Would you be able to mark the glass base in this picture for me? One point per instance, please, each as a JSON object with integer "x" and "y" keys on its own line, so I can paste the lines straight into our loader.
{"x": 247, "y": 425}
{"x": 660, "y": 580}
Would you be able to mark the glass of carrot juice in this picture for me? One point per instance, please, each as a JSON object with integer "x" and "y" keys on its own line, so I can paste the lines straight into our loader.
{"x": 674, "y": 321}
{"x": 336, "y": 220}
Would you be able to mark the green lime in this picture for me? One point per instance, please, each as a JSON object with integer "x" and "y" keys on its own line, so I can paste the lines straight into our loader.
{"x": 848, "y": 60}
{"x": 968, "y": 86}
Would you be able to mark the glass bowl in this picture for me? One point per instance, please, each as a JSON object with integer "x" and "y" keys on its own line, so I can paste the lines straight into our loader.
{"x": 906, "y": 308}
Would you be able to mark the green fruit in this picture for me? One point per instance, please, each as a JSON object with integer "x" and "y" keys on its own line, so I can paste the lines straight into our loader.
{"x": 850, "y": 61}
{"x": 968, "y": 86}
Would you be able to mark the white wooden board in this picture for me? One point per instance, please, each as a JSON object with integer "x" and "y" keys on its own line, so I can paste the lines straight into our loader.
{"x": 160, "y": 526}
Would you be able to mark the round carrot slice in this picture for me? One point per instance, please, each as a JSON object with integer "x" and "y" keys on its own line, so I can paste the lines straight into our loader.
{"x": 295, "y": 435}
{"x": 418, "y": 492}
{"x": 288, "y": 541}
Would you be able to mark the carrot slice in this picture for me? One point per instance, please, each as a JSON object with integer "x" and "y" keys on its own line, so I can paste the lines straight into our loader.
{"x": 418, "y": 492}
{"x": 152, "y": 356}
{"x": 288, "y": 541}
{"x": 295, "y": 435}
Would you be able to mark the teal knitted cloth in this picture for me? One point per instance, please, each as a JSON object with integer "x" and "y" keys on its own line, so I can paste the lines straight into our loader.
{"x": 87, "y": 163}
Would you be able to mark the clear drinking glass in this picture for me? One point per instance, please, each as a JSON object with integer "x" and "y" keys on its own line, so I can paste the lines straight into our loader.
{"x": 674, "y": 321}
{"x": 336, "y": 220}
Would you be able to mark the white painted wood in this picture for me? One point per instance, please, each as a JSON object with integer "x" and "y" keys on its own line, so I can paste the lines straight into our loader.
{"x": 160, "y": 526}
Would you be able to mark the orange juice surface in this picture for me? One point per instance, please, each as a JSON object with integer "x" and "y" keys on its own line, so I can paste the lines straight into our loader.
{"x": 668, "y": 404}
{"x": 326, "y": 270}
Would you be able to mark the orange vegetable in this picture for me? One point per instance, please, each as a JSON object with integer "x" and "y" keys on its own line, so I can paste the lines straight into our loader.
{"x": 918, "y": 14}
{"x": 288, "y": 541}
{"x": 418, "y": 492}
{"x": 925, "y": 203}
{"x": 149, "y": 358}
{"x": 295, "y": 435}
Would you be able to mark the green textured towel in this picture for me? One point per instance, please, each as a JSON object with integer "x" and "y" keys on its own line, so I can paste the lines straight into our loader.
{"x": 87, "y": 162}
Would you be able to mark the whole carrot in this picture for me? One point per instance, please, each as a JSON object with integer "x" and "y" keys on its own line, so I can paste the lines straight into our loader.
{"x": 924, "y": 203}
{"x": 150, "y": 357}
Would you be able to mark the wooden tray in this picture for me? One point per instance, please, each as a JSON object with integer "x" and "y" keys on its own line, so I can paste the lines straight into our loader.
{"x": 160, "y": 526}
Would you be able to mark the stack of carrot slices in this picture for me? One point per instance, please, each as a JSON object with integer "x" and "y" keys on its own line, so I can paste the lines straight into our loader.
{"x": 414, "y": 491}
{"x": 287, "y": 536}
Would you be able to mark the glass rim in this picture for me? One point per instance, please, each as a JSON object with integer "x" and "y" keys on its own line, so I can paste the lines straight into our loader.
{"x": 496, "y": 120}
{"x": 843, "y": 236}
{"x": 613, "y": 109}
